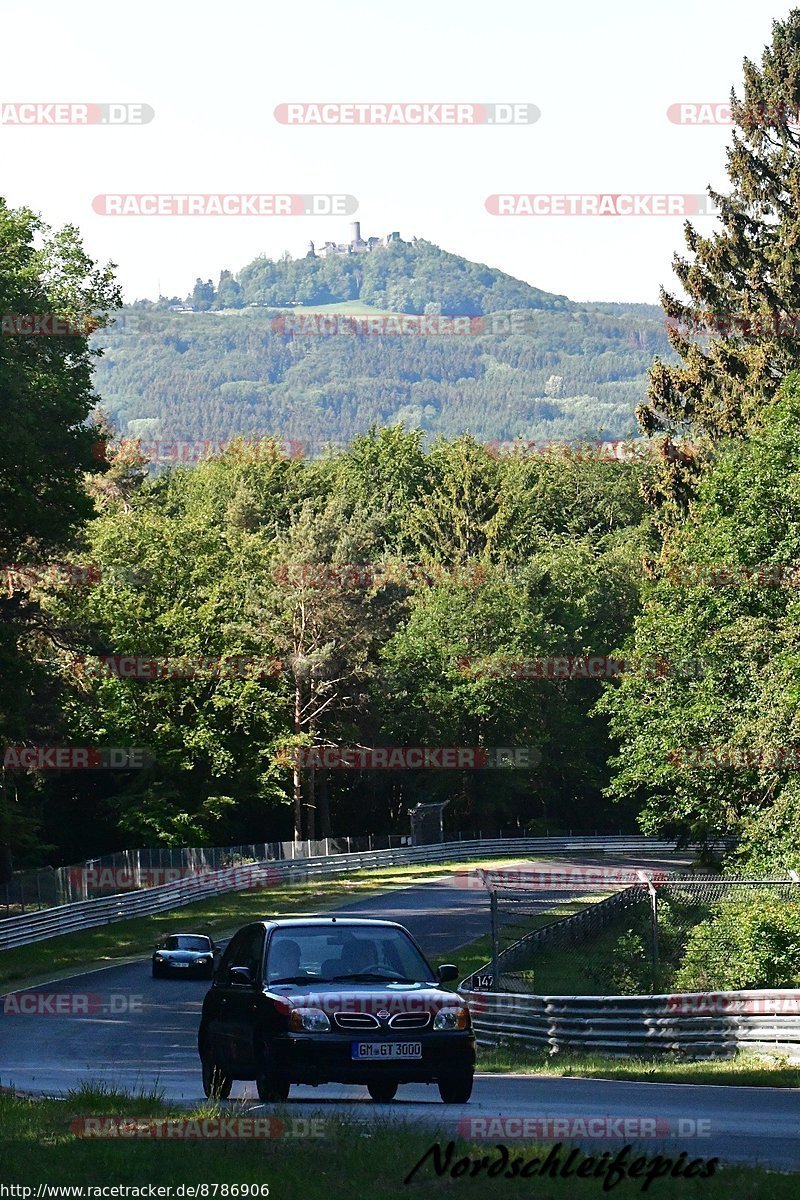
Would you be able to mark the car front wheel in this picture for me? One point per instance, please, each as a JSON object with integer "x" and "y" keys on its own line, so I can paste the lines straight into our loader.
{"x": 455, "y": 1090}
{"x": 216, "y": 1084}
{"x": 271, "y": 1086}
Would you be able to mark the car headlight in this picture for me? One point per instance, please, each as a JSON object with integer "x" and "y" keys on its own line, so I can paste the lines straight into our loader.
{"x": 451, "y": 1018}
{"x": 159, "y": 959}
{"x": 203, "y": 962}
{"x": 314, "y": 1020}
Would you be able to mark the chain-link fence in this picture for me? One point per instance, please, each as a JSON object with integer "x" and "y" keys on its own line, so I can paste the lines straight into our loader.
{"x": 616, "y": 936}
{"x": 129, "y": 870}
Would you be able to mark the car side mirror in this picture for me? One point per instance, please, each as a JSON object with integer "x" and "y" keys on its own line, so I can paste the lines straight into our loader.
{"x": 447, "y": 972}
{"x": 241, "y": 975}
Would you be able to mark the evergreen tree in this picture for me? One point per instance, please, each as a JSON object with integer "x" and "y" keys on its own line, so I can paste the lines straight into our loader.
{"x": 744, "y": 281}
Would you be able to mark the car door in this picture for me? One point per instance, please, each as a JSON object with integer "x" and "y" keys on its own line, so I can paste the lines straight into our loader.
{"x": 239, "y": 1001}
{"x": 222, "y": 1006}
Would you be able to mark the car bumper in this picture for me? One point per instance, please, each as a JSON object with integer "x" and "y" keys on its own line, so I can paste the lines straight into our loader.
{"x": 327, "y": 1058}
{"x": 171, "y": 968}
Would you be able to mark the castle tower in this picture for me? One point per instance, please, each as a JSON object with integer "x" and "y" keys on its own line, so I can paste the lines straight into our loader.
{"x": 355, "y": 226}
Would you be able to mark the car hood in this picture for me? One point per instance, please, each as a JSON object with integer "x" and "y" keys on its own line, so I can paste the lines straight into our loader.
{"x": 364, "y": 997}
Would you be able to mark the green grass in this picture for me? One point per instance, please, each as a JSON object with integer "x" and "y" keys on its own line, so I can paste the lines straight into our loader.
{"x": 37, "y": 1145}
{"x": 215, "y": 916}
{"x": 744, "y": 1070}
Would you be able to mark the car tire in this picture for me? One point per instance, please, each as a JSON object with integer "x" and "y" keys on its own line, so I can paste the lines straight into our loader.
{"x": 455, "y": 1089}
{"x": 156, "y": 973}
{"x": 382, "y": 1090}
{"x": 272, "y": 1088}
{"x": 216, "y": 1084}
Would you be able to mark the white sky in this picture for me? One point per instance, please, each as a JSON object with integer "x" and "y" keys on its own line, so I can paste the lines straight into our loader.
{"x": 602, "y": 75}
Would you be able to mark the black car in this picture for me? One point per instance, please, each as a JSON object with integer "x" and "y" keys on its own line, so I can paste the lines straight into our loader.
{"x": 185, "y": 954}
{"x": 333, "y": 1000}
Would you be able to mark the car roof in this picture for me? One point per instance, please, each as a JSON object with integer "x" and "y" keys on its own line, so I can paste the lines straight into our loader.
{"x": 202, "y": 935}
{"x": 327, "y": 922}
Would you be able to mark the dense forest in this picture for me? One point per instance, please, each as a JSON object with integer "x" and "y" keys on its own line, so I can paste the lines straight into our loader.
{"x": 541, "y": 368}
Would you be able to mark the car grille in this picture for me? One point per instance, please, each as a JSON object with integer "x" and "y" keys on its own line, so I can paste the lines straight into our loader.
{"x": 401, "y": 1020}
{"x": 410, "y": 1020}
{"x": 351, "y": 1020}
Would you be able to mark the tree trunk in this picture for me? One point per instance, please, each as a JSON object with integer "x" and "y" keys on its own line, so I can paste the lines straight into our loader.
{"x": 297, "y": 782}
{"x": 311, "y": 822}
{"x": 324, "y": 807}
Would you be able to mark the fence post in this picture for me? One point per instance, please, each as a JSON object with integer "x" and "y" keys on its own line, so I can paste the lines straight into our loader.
{"x": 646, "y": 879}
{"x": 495, "y": 954}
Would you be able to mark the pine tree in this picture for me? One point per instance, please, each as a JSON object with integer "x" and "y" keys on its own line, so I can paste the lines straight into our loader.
{"x": 743, "y": 282}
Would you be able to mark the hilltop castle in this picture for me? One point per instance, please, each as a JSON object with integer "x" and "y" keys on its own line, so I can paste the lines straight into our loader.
{"x": 356, "y": 245}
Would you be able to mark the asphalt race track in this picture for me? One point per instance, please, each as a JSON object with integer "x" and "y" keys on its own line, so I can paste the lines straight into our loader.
{"x": 133, "y": 1031}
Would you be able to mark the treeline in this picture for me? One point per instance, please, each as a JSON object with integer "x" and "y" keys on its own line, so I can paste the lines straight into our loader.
{"x": 248, "y": 563}
{"x": 198, "y": 375}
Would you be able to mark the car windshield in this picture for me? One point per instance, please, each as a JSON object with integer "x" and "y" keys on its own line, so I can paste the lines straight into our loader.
{"x": 181, "y": 941}
{"x": 347, "y": 953}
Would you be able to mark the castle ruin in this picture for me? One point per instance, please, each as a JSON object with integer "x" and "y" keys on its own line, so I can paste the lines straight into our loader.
{"x": 357, "y": 244}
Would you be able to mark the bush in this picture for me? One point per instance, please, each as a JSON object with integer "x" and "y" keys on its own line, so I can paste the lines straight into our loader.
{"x": 750, "y": 942}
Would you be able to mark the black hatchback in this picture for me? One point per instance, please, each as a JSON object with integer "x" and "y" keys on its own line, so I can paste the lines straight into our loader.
{"x": 333, "y": 1000}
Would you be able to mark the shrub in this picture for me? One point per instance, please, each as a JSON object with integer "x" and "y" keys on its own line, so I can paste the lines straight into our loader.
{"x": 750, "y": 942}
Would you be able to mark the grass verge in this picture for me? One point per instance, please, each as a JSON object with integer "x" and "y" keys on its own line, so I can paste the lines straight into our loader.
{"x": 744, "y": 1070}
{"x": 39, "y": 1146}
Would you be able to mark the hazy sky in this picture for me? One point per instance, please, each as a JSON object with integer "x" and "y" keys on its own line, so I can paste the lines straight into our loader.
{"x": 603, "y": 76}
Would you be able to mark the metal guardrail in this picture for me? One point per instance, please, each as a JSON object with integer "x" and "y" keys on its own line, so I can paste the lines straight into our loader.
{"x": 88, "y": 914}
{"x": 694, "y": 1024}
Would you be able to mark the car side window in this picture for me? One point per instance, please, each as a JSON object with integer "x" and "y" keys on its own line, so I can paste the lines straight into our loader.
{"x": 245, "y": 949}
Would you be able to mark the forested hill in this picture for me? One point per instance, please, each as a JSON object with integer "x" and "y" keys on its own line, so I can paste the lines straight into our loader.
{"x": 540, "y": 367}
{"x": 399, "y": 277}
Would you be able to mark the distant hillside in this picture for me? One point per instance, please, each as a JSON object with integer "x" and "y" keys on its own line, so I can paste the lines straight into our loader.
{"x": 400, "y": 277}
{"x": 554, "y": 369}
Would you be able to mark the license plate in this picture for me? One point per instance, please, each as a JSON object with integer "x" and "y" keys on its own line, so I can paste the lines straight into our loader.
{"x": 387, "y": 1049}
{"x": 184, "y": 965}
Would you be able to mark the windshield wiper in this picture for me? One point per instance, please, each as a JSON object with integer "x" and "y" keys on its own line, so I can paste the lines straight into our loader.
{"x": 293, "y": 979}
